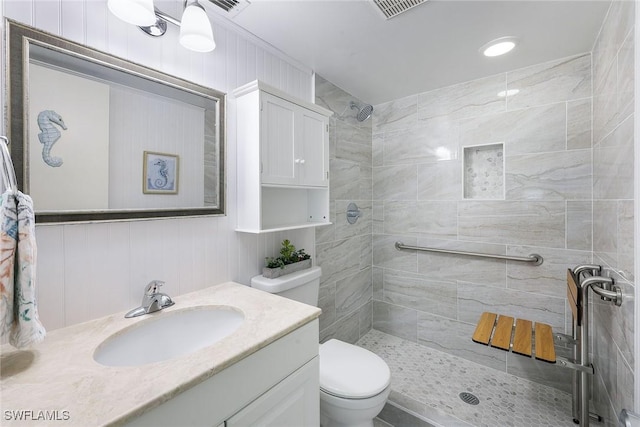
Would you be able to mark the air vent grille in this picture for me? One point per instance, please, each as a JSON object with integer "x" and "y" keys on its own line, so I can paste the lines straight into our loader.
{"x": 225, "y": 5}
{"x": 391, "y": 8}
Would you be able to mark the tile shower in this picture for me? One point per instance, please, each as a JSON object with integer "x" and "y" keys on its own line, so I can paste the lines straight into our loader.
{"x": 560, "y": 139}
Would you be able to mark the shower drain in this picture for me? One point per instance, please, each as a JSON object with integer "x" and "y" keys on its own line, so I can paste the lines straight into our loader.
{"x": 469, "y": 398}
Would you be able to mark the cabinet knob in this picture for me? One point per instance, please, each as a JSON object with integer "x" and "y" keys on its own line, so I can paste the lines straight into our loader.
{"x": 302, "y": 161}
{"x": 297, "y": 160}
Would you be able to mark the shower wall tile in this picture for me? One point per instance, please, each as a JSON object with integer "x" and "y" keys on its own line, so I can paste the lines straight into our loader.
{"x": 579, "y": 124}
{"x": 548, "y": 278}
{"x": 378, "y": 217}
{"x": 366, "y": 251}
{"x": 579, "y": 225}
{"x": 327, "y": 303}
{"x": 327, "y": 233}
{"x": 555, "y": 376}
{"x": 625, "y": 385}
{"x": 377, "y": 278}
{"x": 434, "y": 219}
{"x": 510, "y": 222}
{"x": 440, "y": 181}
{"x": 398, "y": 114}
{"x": 362, "y": 226}
{"x": 353, "y": 292}
{"x": 365, "y": 182}
{"x": 448, "y": 267}
{"x": 395, "y": 183}
{"x": 386, "y": 255}
{"x": 549, "y": 176}
{"x": 377, "y": 149}
{"x": 352, "y": 143}
{"x": 434, "y": 140}
{"x": 474, "y": 299}
{"x": 605, "y": 103}
{"x": 524, "y": 131}
{"x": 470, "y": 99}
{"x": 345, "y": 180}
{"x": 338, "y": 259}
{"x": 395, "y": 320}
{"x": 420, "y": 292}
{"x": 613, "y": 164}
{"x": 337, "y": 100}
{"x": 346, "y": 329}
{"x": 554, "y": 81}
{"x": 453, "y": 337}
{"x": 625, "y": 245}
{"x": 626, "y": 77}
{"x": 365, "y": 318}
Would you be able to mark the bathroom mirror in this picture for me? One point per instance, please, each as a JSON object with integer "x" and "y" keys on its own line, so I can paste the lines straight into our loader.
{"x": 98, "y": 138}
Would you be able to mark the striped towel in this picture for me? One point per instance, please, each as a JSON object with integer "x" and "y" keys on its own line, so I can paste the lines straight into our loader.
{"x": 18, "y": 308}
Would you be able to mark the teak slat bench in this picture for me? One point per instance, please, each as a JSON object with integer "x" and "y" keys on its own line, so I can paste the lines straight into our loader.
{"x": 516, "y": 335}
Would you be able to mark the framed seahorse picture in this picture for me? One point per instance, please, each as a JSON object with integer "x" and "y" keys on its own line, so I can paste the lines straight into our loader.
{"x": 160, "y": 173}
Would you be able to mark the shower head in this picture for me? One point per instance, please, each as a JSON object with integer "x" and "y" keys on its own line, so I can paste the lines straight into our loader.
{"x": 364, "y": 112}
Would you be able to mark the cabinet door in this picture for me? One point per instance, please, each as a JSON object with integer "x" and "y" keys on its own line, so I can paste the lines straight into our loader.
{"x": 295, "y": 401}
{"x": 312, "y": 153}
{"x": 277, "y": 140}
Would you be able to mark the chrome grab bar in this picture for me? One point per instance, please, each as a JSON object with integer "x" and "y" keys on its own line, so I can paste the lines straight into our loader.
{"x": 535, "y": 259}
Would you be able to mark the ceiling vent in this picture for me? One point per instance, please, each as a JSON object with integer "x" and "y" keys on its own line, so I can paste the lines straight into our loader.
{"x": 391, "y": 8}
{"x": 231, "y": 7}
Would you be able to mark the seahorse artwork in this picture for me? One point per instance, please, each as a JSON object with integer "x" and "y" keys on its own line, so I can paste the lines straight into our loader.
{"x": 163, "y": 171}
{"x": 49, "y": 135}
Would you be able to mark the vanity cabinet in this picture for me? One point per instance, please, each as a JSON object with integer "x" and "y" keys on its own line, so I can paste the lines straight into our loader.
{"x": 282, "y": 160}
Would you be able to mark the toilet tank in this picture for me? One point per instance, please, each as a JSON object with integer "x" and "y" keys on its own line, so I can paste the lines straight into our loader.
{"x": 302, "y": 286}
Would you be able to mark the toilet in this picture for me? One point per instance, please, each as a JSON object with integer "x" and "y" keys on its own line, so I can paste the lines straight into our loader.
{"x": 354, "y": 382}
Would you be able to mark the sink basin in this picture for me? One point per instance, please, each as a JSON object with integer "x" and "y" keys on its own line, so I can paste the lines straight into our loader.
{"x": 168, "y": 334}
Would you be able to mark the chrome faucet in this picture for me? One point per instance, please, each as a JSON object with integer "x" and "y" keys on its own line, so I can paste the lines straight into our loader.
{"x": 152, "y": 300}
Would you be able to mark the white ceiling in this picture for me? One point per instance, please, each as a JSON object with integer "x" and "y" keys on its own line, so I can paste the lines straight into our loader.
{"x": 436, "y": 44}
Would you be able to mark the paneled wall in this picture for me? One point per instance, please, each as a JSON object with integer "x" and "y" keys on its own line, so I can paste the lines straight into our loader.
{"x": 418, "y": 147}
{"x": 343, "y": 249}
{"x": 613, "y": 207}
{"x": 90, "y": 270}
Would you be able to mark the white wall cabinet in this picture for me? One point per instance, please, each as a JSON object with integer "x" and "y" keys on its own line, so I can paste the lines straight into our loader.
{"x": 283, "y": 160}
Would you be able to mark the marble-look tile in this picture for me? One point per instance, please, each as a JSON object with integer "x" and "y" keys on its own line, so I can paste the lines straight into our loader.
{"x": 432, "y": 141}
{"x": 605, "y": 106}
{"x": 605, "y": 355}
{"x": 361, "y": 227}
{"x": 366, "y": 251}
{"x": 511, "y": 222}
{"x": 395, "y": 183}
{"x": 550, "y": 278}
{"x": 626, "y": 77}
{"x": 454, "y": 337}
{"x": 398, "y": 114}
{"x": 605, "y": 236}
{"x": 327, "y": 303}
{"x": 365, "y": 182}
{"x": 337, "y": 100}
{"x": 625, "y": 239}
{"x": 549, "y": 176}
{"x": 365, "y": 318}
{"x": 386, "y": 255}
{"x": 579, "y": 124}
{"x": 395, "y": 320}
{"x": 579, "y": 225}
{"x": 420, "y": 292}
{"x": 327, "y": 233}
{"x": 353, "y": 144}
{"x": 523, "y": 131}
{"x": 338, "y": 259}
{"x": 555, "y": 81}
{"x": 377, "y": 280}
{"x": 474, "y": 299}
{"x": 601, "y": 404}
{"x": 440, "y": 181}
{"x": 353, "y": 292}
{"x": 449, "y": 267}
{"x": 346, "y": 329}
{"x": 625, "y": 391}
{"x": 378, "y": 217}
{"x": 377, "y": 149}
{"x": 432, "y": 219}
{"x": 345, "y": 180}
{"x": 469, "y": 99}
{"x": 551, "y": 375}
{"x": 613, "y": 164}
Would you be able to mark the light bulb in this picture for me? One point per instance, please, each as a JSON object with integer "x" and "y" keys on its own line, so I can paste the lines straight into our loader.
{"x": 195, "y": 29}
{"x": 136, "y": 12}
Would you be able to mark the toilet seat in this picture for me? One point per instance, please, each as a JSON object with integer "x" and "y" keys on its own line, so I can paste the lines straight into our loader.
{"x": 351, "y": 372}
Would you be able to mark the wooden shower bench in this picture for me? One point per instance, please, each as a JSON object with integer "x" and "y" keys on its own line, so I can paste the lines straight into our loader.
{"x": 516, "y": 335}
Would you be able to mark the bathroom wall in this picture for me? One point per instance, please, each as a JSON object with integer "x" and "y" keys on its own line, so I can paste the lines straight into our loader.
{"x": 343, "y": 249}
{"x": 89, "y": 270}
{"x": 542, "y": 204}
{"x": 613, "y": 207}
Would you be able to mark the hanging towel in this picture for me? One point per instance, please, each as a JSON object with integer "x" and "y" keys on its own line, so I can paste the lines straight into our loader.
{"x": 18, "y": 308}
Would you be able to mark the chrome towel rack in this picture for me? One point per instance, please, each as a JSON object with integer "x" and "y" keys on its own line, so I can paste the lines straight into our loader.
{"x": 534, "y": 259}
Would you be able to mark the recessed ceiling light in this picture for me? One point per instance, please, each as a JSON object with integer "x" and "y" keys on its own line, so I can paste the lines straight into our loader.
{"x": 499, "y": 46}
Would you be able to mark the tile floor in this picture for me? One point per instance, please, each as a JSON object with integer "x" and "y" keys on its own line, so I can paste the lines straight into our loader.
{"x": 428, "y": 382}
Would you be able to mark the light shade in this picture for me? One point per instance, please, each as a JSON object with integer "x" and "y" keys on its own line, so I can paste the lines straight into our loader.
{"x": 195, "y": 29}
{"x": 499, "y": 46}
{"x": 136, "y": 12}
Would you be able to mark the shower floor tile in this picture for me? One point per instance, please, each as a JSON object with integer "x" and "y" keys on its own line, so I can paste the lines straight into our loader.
{"x": 428, "y": 382}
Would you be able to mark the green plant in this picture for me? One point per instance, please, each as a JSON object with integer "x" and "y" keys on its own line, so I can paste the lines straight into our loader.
{"x": 288, "y": 255}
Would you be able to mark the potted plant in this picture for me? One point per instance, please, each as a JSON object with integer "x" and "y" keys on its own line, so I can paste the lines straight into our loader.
{"x": 289, "y": 261}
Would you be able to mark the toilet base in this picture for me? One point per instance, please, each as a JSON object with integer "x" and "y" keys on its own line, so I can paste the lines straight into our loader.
{"x": 339, "y": 412}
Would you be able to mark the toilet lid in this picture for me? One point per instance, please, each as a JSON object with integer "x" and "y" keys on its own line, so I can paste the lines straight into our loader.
{"x": 351, "y": 372}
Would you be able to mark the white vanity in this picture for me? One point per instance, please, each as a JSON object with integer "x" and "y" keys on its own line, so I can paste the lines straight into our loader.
{"x": 265, "y": 370}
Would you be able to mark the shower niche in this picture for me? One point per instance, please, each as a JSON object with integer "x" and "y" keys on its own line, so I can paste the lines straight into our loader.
{"x": 483, "y": 172}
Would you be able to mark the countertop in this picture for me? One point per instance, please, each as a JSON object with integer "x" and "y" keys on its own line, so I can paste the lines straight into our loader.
{"x": 60, "y": 376}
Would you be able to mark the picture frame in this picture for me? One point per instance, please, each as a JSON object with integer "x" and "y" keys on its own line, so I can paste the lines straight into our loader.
{"x": 160, "y": 173}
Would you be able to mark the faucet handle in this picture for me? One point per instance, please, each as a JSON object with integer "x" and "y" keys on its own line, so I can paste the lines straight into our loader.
{"x": 153, "y": 287}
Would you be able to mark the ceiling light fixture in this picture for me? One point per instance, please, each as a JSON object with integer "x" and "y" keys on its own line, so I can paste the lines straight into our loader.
{"x": 499, "y": 46}
{"x": 195, "y": 28}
